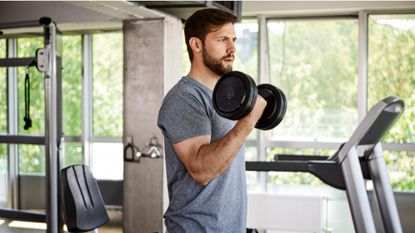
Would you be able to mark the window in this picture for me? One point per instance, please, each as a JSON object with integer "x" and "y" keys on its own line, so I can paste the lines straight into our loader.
{"x": 107, "y": 84}
{"x": 107, "y": 106}
{"x": 246, "y": 59}
{"x": 72, "y": 85}
{"x": 72, "y": 99}
{"x": 391, "y": 71}
{"x": 105, "y": 111}
{"x": 3, "y": 90}
{"x": 31, "y": 157}
{"x": 391, "y": 68}
{"x": 314, "y": 63}
{"x": 3, "y": 128}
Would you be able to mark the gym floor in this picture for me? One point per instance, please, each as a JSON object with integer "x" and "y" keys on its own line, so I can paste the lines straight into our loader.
{"x": 5, "y": 228}
{"x": 113, "y": 226}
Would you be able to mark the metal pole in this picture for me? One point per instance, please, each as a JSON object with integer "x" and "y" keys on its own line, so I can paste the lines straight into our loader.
{"x": 13, "y": 155}
{"x": 87, "y": 98}
{"x": 51, "y": 132}
{"x": 356, "y": 193}
{"x": 383, "y": 190}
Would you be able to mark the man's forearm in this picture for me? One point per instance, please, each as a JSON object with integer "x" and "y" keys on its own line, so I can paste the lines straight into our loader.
{"x": 214, "y": 158}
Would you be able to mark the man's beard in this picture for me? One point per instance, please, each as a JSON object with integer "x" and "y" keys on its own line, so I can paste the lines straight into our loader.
{"x": 215, "y": 65}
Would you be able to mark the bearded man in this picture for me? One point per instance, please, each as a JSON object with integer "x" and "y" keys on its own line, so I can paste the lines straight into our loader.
{"x": 204, "y": 152}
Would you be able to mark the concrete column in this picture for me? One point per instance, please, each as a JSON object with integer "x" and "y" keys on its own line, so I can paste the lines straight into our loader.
{"x": 152, "y": 64}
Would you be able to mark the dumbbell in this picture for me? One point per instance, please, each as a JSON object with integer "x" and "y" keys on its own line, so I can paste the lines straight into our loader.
{"x": 234, "y": 97}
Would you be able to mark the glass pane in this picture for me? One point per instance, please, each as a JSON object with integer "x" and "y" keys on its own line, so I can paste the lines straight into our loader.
{"x": 271, "y": 152}
{"x": 4, "y": 184}
{"x": 252, "y": 178}
{"x": 107, "y": 161}
{"x": 3, "y": 90}
{"x": 3, "y": 100}
{"x": 401, "y": 166}
{"x": 185, "y": 58}
{"x": 31, "y": 159}
{"x": 274, "y": 179}
{"x": 26, "y": 47}
{"x": 3, "y": 129}
{"x": 391, "y": 68}
{"x": 314, "y": 62}
{"x": 72, "y": 85}
{"x": 73, "y": 154}
{"x": 2, "y": 48}
{"x": 107, "y": 84}
{"x": 246, "y": 59}
{"x": 4, "y": 187}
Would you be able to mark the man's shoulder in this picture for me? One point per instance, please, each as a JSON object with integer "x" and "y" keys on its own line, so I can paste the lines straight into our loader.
{"x": 182, "y": 89}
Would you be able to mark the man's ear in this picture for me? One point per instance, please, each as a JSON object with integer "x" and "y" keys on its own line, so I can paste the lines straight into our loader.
{"x": 196, "y": 44}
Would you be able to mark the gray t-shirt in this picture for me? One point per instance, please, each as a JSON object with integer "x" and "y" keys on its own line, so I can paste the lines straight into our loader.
{"x": 220, "y": 206}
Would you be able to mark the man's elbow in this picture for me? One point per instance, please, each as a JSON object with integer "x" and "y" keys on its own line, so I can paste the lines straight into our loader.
{"x": 200, "y": 178}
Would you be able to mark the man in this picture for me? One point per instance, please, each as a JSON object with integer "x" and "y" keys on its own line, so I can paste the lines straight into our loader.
{"x": 204, "y": 155}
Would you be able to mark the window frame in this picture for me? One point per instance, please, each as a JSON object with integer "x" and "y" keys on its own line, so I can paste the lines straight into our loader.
{"x": 261, "y": 142}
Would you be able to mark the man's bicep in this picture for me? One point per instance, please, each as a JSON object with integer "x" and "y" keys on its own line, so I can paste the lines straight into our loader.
{"x": 182, "y": 119}
{"x": 187, "y": 149}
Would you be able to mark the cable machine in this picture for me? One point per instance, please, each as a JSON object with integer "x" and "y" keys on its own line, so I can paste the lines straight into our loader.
{"x": 48, "y": 61}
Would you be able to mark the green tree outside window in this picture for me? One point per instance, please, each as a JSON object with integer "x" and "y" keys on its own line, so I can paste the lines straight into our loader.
{"x": 391, "y": 71}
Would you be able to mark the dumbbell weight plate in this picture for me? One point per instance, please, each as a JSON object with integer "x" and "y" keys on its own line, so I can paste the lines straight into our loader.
{"x": 234, "y": 95}
{"x": 276, "y": 106}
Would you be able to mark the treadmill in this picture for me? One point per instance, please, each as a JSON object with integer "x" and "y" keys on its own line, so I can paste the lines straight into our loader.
{"x": 359, "y": 159}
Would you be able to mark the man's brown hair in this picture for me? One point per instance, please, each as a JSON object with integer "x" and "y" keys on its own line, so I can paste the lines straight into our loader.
{"x": 204, "y": 21}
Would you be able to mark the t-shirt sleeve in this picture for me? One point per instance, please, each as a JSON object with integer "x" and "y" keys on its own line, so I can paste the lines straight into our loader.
{"x": 182, "y": 117}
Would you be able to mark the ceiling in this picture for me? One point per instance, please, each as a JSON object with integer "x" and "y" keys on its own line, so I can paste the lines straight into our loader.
{"x": 75, "y": 16}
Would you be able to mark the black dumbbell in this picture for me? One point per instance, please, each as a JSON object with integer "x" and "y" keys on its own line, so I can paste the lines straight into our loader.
{"x": 235, "y": 94}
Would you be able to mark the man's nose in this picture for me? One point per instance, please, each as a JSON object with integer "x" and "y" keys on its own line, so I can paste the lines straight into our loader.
{"x": 231, "y": 47}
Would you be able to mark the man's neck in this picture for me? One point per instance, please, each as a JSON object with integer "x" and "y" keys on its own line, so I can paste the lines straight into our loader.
{"x": 205, "y": 76}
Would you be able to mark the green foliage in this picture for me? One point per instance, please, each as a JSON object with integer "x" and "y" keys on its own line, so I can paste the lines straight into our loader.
{"x": 72, "y": 85}
{"x": 314, "y": 63}
{"x": 107, "y": 84}
{"x": 3, "y": 111}
{"x": 107, "y": 98}
{"x": 401, "y": 169}
{"x": 392, "y": 72}
{"x": 73, "y": 154}
{"x": 3, "y": 91}
{"x": 26, "y": 47}
{"x": 31, "y": 158}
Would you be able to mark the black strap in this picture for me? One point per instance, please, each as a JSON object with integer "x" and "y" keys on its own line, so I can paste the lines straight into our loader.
{"x": 27, "y": 120}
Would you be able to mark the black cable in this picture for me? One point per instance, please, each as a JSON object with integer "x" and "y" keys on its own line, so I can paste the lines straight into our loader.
{"x": 27, "y": 120}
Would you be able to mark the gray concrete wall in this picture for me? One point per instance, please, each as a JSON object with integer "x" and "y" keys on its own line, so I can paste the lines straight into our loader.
{"x": 150, "y": 65}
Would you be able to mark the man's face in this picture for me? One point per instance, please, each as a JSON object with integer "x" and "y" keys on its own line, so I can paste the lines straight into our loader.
{"x": 218, "y": 49}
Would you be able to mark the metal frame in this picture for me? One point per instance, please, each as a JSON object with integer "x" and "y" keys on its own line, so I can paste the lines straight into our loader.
{"x": 87, "y": 98}
{"x": 52, "y": 119}
{"x": 384, "y": 194}
{"x": 367, "y": 135}
{"x": 347, "y": 169}
{"x": 13, "y": 161}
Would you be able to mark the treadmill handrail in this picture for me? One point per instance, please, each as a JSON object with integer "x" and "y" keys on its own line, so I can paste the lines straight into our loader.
{"x": 388, "y": 109}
